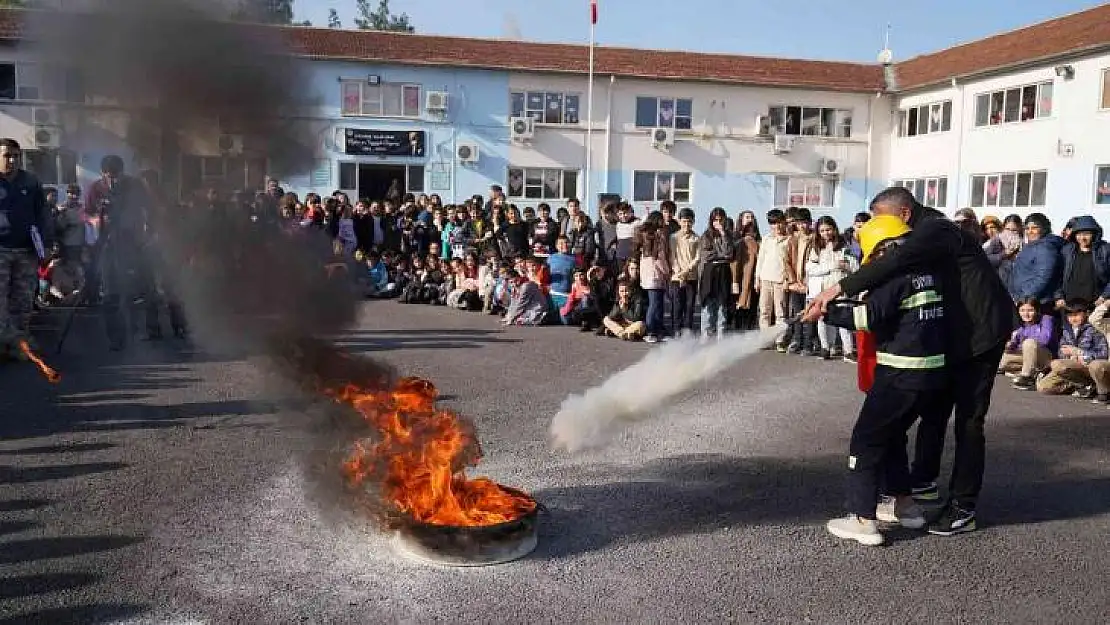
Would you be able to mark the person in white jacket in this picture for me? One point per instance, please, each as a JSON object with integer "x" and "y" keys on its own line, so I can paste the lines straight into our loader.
{"x": 828, "y": 263}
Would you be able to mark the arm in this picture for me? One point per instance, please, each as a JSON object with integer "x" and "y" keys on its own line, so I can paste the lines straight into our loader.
{"x": 1094, "y": 347}
{"x": 881, "y": 307}
{"x": 935, "y": 240}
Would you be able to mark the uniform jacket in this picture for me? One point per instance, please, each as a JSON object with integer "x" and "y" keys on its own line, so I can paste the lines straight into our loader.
{"x": 906, "y": 316}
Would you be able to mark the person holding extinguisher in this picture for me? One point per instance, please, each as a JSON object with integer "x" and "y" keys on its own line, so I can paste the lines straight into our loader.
{"x": 980, "y": 318}
{"x": 905, "y": 317}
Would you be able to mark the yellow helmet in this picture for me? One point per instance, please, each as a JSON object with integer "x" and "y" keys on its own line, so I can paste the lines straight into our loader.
{"x": 878, "y": 229}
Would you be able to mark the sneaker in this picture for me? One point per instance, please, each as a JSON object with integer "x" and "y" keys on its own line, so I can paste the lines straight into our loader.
{"x": 1101, "y": 398}
{"x": 925, "y": 492}
{"x": 1013, "y": 375}
{"x": 850, "y": 357}
{"x": 1085, "y": 392}
{"x": 651, "y": 338}
{"x": 780, "y": 348}
{"x": 954, "y": 520}
{"x": 794, "y": 348}
{"x": 825, "y": 355}
{"x": 1024, "y": 383}
{"x": 909, "y": 515}
{"x": 835, "y": 354}
{"x": 852, "y": 527}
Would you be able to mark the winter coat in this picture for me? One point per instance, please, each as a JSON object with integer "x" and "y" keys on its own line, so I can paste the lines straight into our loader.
{"x": 1100, "y": 251}
{"x": 979, "y": 312}
{"x": 1090, "y": 343}
{"x": 747, "y": 251}
{"x": 1043, "y": 332}
{"x": 715, "y": 278}
{"x": 654, "y": 250}
{"x": 823, "y": 268}
{"x": 1038, "y": 270}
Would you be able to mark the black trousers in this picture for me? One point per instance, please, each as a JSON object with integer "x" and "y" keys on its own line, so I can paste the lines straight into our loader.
{"x": 684, "y": 304}
{"x": 877, "y": 461}
{"x": 971, "y": 384}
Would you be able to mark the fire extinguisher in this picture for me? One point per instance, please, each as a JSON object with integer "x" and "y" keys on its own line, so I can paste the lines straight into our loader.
{"x": 866, "y": 360}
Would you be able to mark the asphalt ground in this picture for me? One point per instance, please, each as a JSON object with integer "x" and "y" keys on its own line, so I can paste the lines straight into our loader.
{"x": 169, "y": 485}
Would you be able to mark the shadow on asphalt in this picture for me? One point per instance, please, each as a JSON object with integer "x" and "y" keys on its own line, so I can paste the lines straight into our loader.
{"x": 19, "y": 505}
{"x": 64, "y": 448}
{"x": 97, "y": 613}
{"x": 390, "y": 340}
{"x": 26, "y": 475}
{"x": 32, "y": 549}
{"x": 17, "y": 586}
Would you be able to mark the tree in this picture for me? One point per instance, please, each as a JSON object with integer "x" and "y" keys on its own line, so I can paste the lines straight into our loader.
{"x": 266, "y": 11}
{"x": 333, "y": 19}
{"x": 381, "y": 18}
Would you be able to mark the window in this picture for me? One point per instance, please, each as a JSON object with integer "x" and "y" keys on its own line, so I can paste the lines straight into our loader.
{"x": 534, "y": 183}
{"x": 1019, "y": 104}
{"x": 380, "y": 100}
{"x": 929, "y": 191}
{"x": 810, "y": 191}
{"x": 31, "y": 81}
{"x": 1102, "y": 185}
{"x": 810, "y": 121}
{"x": 1105, "y": 89}
{"x": 348, "y": 179}
{"x": 546, "y": 107}
{"x": 925, "y": 119}
{"x": 658, "y": 186}
{"x": 665, "y": 113}
{"x": 52, "y": 167}
{"x": 1021, "y": 189}
{"x": 237, "y": 172}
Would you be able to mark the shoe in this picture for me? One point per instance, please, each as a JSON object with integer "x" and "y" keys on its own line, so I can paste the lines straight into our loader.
{"x": 1101, "y": 398}
{"x": 1085, "y": 392}
{"x": 850, "y": 357}
{"x": 954, "y": 520}
{"x": 836, "y": 353}
{"x": 780, "y": 348}
{"x": 651, "y": 338}
{"x": 909, "y": 515}
{"x": 825, "y": 355}
{"x": 812, "y": 353}
{"x": 852, "y": 527}
{"x": 600, "y": 331}
{"x": 1012, "y": 375}
{"x": 794, "y": 348}
{"x": 925, "y": 492}
{"x": 1024, "y": 383}
{"x": 584, "y": 328}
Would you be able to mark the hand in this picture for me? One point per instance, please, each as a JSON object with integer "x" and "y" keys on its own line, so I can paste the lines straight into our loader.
{"x": 1067, "y": 350}
{"x": 820, "y": 303}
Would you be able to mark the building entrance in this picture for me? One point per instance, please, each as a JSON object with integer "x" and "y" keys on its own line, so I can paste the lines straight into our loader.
{"x": 374, "y": 180}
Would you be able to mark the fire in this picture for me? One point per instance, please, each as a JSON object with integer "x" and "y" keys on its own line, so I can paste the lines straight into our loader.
{"x": 49, "y": 373}
{"x": 420, "y": 458}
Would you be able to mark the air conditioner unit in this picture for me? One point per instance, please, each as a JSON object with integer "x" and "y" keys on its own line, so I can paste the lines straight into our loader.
{"x": 784, "y": 144}
{"x": 44, "y": 116}
{"x": 230, "y": 144}
{"x": 46, "y": 137}
{"x": 436, "y": 101}
{"x": 763, "y": 126}
{"x": 831, "y": 167}
{"x": 522, "y": 128}
{"x": 662, "y": 137}
{"x": 467, "y": 152}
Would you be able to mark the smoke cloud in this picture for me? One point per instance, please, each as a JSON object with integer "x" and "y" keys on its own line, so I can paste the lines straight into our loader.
{"x": 637, "y": 393}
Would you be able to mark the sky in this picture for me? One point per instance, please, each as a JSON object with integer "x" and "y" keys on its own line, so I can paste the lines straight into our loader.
{"x": 847, "y": 30}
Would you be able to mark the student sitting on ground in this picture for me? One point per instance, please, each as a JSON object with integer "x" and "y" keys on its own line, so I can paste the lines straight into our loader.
{"x": 580, "y": 308}
{"x": 529, "y": 305}
{"x": 1081, "y": 366}
{"x": 1031, "y": 346}
{"x": 626, "y": 320}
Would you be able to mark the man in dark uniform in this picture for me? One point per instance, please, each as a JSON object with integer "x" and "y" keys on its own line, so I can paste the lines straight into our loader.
{"x": 980, "y": 317}
{"x": 122, "y": 203}
{"x": 23, "y": 210}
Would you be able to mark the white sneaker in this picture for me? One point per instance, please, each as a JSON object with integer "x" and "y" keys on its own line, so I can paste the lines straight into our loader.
{"x": 851, "y": 527}
{"x": 909, "y": 516}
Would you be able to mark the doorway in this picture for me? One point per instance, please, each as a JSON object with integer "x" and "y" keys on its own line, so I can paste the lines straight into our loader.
{"x": 374, "y": 180}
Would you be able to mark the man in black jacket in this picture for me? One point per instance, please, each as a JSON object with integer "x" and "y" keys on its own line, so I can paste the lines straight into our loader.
{"x": 22, "y": 207}
{"x": 980, "y": 318}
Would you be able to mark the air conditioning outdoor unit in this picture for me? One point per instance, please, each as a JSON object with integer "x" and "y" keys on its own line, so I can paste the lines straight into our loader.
{"x": 230, "y": 144}
{"x": 522, "y": 128}
{"x": 436, "y": 101}
{"x": 783, "y": 144}
{"x": 467, "y": 152}
{"x": 662, "y": 137}
{"x": 831, "y": 167}
{"x": 46, "y": 137}
{"x": 44, "y": 116}
{"x": 763, "y": 126}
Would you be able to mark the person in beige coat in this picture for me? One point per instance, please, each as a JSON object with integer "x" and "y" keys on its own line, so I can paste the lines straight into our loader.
{"x": 747, "y": 251}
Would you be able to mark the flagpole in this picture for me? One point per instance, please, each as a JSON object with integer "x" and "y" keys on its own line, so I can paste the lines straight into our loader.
{"x": 588, "y": 199}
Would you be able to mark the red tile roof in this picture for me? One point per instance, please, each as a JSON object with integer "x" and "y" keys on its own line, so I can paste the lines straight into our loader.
{"x": 1078, "y": 32}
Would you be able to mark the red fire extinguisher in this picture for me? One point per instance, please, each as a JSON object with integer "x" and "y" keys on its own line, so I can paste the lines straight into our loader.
{"x": 866, "y": 360}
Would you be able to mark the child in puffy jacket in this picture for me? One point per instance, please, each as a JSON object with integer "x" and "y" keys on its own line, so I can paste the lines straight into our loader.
{"x": 1031, "y": 346}
{"x": 1081, "y": 365}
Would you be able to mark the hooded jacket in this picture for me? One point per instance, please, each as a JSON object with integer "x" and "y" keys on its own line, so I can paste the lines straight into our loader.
{"x": 979, "y": 311}
{"x": 1100, "y": 251}
{"x": 1037, "y": 269}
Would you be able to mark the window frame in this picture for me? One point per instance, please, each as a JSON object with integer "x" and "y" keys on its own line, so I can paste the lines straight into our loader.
{"x": 923, "y": 183}
{"x": 538, "y": 115}
{"x": 829, "y": 185}
{"x": 1015, "y": 178}
{"x": 824, "y": 130}
{"x": 64, "y": 173}
{"x": 254, "y": 170}
{"x": 990, "y": 98}
{"x": 413, "y": 171}
{"x": 926, "y": 108}
{"x": 541, "y": 186}
{"x": 687, "y": 190}
{"x": 674, "y": 116}
{"x": 1102, "y": 172}
{"x": 381, "y": 99}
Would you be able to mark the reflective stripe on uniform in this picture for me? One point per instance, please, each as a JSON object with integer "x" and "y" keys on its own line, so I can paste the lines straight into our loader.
{"x": 859, "y": 317}
{"x": 921, "y": 299}
{"x": 910, "y": 362}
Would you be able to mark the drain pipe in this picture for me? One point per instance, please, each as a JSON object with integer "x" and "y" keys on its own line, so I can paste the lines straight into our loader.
{"x": 955, "y": 183}
{"x": 608, "y": 135}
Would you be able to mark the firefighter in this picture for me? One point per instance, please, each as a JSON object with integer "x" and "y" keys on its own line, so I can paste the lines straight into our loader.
{"x": 905, "y": 316}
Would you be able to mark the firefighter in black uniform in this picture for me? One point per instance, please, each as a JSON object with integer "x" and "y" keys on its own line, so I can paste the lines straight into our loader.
{"x": 905, "y": 315}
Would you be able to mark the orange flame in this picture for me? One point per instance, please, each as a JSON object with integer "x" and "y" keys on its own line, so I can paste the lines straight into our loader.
{"x": 420, "y": 458}
{"x": 49, "y": 373}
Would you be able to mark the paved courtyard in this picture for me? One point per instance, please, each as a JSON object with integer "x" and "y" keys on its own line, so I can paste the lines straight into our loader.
{"x": 166, "y": 485}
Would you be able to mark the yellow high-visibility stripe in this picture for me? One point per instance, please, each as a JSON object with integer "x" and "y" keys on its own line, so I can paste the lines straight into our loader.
{"x": 921, "y": 299}
{"x": 859, "y": 317}
{"x": 910, "y": 362}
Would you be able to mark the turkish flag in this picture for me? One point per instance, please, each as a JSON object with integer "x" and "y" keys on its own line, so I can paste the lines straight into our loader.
{"x": 593, "y": 11}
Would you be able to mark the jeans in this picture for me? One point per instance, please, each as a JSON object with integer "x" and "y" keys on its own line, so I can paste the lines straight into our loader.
{"x": 713, "y": 316}
{"x": 828, "y": 333}
{"x": 654, "y": 319}
{"x": 683, "y": 294}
